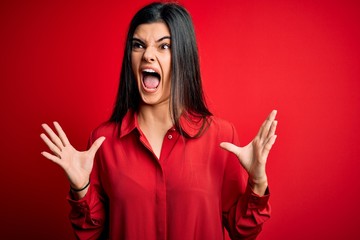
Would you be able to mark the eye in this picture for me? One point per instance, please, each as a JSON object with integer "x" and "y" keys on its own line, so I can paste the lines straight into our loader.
{"x": 165, "y": 46}
{"x": 137, "y": 45}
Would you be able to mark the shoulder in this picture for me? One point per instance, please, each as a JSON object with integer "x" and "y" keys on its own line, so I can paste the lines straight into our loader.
{"x": 220, "y": 124}
{"x": 223, "y": 128}
{"x": 106, "y": 129}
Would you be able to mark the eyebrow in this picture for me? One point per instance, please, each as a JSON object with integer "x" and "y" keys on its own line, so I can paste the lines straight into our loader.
{"x": 159, "y": 40}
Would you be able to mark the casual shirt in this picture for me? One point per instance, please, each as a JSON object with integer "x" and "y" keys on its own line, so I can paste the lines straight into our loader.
{"x": 192, "y": 191}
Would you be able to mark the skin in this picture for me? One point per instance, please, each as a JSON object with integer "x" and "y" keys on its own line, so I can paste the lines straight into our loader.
{"x": 152, "y": 50}
{"x": 77, "y": 165}
{"x": 253, "y": 157}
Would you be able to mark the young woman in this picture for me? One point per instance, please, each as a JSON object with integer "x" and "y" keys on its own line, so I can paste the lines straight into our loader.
{"x": 168, "y": 168}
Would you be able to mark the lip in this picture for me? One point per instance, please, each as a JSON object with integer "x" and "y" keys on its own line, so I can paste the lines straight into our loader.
{"x": 150, "y": 68}
{"x": 143, "y": 68}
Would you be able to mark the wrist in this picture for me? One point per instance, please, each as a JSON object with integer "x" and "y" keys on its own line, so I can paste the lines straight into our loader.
{"x": 79, "y": 193}
{"x": 259, "y": 186}
{"x": 74, "y": 189}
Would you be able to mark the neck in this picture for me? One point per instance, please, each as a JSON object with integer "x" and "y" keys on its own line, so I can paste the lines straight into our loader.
{"x": 155, "y": 117}
{"x": 154, "y": 122}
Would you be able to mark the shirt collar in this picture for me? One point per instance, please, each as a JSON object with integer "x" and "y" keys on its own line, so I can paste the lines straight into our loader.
{"x": 129, "y": 123}
{"x": 190, "y": 124}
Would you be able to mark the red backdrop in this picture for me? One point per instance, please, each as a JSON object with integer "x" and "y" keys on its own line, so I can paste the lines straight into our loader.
{"x": 60, "y": 60}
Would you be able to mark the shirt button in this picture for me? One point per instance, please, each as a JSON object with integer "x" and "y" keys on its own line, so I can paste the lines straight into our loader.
{"x": 169, "y": 136}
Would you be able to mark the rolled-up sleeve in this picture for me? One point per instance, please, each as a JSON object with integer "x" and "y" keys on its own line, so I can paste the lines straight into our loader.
{"x": 244, "y": 212}
{"x": 88, "y": 215}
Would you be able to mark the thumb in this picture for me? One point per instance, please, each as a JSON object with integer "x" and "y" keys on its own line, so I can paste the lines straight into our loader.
{"x": 230, "y": 147}
{"x": 96, "y": 145}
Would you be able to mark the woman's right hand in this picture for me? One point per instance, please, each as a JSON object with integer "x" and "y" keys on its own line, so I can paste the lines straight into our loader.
{"x": 76, "y": 164}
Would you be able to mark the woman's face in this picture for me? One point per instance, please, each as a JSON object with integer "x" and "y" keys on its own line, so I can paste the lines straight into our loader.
{"x": 151, "y": 62}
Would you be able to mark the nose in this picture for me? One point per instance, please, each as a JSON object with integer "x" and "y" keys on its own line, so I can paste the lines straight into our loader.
{"x": 149, "y": 55}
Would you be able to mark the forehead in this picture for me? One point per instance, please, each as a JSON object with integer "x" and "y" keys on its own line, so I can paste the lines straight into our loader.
{"x": 151, "y": 31}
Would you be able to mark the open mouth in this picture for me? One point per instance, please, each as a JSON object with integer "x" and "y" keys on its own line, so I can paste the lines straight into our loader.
{"x": 151, "y": 79}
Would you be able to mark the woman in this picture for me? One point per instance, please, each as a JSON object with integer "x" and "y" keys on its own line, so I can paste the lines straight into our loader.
{"x": 161, "y": 173}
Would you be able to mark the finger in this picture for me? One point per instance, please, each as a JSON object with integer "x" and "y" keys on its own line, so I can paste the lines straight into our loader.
{"x": 268, "y": 123}
{"x": 51, "y": 157}
{"x": 96, "y": 145}
{"x": 272, "y": 129}
{"x": 54, "y": 138}
{"x": 230, "y": 147}
{"x": 50, "y": 144}
{"x": 269, "y": 144}
{"x": 264, "y": 130}
{"x": 262, "y": 127}
{"x": 62, "y": 134}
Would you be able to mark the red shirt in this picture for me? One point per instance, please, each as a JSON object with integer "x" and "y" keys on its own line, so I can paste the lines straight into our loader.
{"x": 192, "y": 191}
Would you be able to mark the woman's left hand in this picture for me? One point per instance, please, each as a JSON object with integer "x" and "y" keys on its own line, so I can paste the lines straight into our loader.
{"x": 253, "y": 156}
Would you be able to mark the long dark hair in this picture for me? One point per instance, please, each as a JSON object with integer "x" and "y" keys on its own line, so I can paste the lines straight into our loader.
{"x": 186, "y": 88}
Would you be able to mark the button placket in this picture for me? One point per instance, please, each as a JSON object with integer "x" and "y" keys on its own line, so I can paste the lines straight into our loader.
{"x": 170, "y": 136}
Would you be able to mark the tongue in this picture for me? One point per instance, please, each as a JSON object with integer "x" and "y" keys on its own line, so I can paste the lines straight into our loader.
{"x": 151, "y": 81}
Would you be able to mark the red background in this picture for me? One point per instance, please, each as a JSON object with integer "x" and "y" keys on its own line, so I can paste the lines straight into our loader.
{"x": 60, "y": 60}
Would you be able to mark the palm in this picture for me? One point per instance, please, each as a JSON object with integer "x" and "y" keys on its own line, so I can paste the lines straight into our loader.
{"x": 76, "y": 164}
{"x": 253, "y": 156}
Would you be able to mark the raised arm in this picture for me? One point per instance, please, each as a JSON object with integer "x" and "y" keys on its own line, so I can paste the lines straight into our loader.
{"x": 253, "y": 157}
{"x": 76, "y": 164}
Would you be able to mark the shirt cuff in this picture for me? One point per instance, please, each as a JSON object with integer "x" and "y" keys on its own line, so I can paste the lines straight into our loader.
{"x": 81, "y": 204}
{"x": 256, "y": 201}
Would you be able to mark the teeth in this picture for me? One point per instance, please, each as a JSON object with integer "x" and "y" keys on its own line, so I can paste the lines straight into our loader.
{"x": 148, "y": 70}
